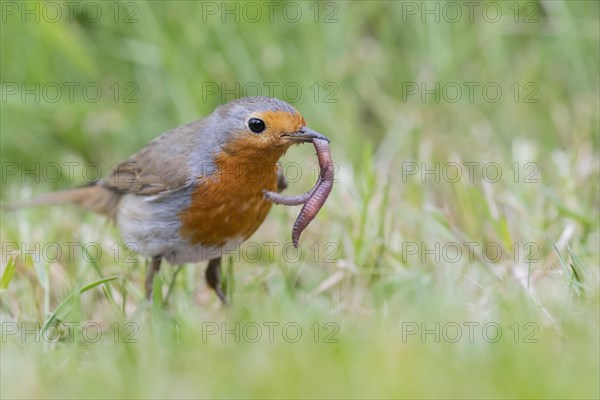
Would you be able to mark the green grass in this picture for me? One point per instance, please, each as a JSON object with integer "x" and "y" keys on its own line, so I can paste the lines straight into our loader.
{"x": 362, "y": 276}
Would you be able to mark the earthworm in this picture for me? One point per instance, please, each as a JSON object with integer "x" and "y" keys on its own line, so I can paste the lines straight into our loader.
{"x": 314, "y": 199}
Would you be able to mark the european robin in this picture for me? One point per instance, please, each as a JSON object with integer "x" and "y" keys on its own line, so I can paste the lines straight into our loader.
{"x": 203, "y": 188}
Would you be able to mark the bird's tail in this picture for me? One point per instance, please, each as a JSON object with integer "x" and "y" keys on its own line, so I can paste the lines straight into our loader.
{"x": 94, "y": 198}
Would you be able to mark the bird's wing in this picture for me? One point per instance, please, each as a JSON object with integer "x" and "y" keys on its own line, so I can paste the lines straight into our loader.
{"x": 143, "y": 178}
{"x": 282, "y": 183}
{"x": 161, "y": 166}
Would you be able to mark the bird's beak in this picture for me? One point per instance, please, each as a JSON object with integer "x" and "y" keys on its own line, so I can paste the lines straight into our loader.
{"x": 305, "y": 135}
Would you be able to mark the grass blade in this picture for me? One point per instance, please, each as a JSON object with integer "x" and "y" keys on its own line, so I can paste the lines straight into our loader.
{"x": 8, "y": 273}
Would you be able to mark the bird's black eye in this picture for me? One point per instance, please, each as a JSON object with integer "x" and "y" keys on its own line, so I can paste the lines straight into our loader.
{"x": 256, "y": 125}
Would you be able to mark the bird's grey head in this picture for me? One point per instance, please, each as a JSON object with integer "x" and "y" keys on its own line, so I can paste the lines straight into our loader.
{"x": 258, "y": 127}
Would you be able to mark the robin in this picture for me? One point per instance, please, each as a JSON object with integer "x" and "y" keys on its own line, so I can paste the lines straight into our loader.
{"x": 198, "y": 190}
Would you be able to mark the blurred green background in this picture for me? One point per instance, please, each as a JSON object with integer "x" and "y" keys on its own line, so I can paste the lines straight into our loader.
{"x": 388, "y": 82}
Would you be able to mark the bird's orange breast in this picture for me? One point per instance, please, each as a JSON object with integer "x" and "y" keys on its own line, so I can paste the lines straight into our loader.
{"x": 230, "y": 203}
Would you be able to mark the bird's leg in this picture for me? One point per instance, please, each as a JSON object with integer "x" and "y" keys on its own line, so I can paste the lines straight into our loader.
{"x": 213, "y": 277}
{"x": 152, "y": 270}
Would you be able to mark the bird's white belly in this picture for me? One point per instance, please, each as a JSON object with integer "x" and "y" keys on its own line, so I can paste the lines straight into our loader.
{"x": 152, "y": 228}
